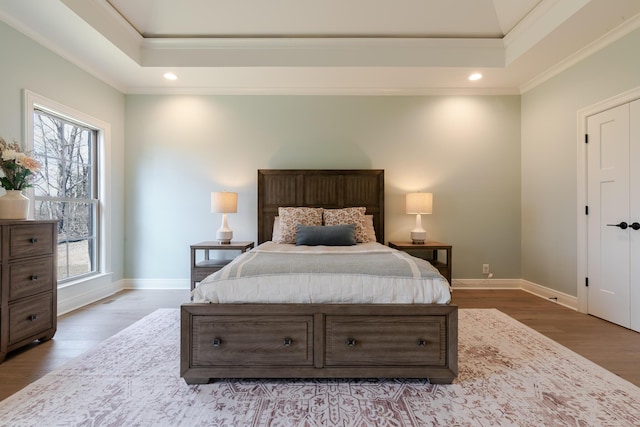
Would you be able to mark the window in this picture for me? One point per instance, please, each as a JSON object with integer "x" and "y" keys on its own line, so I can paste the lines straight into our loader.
{"x": 65, "y": 189}
{"x": 68, "y": 188}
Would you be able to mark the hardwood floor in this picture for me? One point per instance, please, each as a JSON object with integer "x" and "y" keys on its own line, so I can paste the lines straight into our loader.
{"x": 80, "y": 331}
{"x": 611, "y": 346}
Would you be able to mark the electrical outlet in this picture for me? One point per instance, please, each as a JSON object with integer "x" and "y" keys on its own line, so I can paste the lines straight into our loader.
{"x": 485, "y": 268}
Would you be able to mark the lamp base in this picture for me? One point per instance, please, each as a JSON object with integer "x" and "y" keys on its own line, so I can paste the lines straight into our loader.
{"x": 418, "y": 237}
{"x": 224, "y": 237}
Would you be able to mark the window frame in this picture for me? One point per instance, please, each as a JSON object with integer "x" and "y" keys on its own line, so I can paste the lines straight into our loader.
{"x": 33, "y": 101}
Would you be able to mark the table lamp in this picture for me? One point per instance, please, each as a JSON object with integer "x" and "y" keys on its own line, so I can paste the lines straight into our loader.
{"x": 418, "y": 204}
{"x": 224, "y": 203}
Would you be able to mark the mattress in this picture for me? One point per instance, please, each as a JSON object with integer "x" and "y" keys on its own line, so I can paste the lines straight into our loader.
{"x": 366, "y": 273}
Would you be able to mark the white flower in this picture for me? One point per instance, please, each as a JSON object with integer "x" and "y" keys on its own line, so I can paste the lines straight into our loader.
{"x": 10, "y": 154}
{"x": 19, "y": 158}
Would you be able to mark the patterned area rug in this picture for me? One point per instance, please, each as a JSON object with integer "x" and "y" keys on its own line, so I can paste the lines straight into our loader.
{"x": 509, "y": 375}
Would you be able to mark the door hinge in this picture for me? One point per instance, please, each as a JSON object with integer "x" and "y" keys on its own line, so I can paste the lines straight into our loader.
{"x": 586, "y": 210}
{"x": 586, "y": 282}
{"x": 586, "y": 138}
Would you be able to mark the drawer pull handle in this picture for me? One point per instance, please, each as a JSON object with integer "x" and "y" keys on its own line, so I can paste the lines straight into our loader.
{"x": 33, "y": 317}
{"x": 422, "y": 342}
{"x": 34, "y": 240}
{"x": 351, "y": 342}
{"x": 287, "y": 342}
{"x": 34, "y": 277}
{"x": 217, "y": 342}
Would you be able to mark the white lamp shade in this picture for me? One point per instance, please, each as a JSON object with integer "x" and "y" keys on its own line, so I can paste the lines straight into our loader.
{"x": 419, "y": 203}
{"x": 224, "y": 202}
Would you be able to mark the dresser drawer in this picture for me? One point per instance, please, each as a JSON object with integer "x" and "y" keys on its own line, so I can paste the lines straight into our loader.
{"x": 31, "y": 240}
{"x": 28, "y": 278}
{"x": 370, "y": 340}
{"x": 264, "y": 340}
{"x": 29, "y": 317}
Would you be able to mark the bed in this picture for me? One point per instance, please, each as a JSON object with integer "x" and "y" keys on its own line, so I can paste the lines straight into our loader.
{"x": 316, "y": 338}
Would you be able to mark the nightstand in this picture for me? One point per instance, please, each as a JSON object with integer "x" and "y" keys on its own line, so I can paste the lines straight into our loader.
{"x": 203, "y": 265}
{"x": 429, "y": 251}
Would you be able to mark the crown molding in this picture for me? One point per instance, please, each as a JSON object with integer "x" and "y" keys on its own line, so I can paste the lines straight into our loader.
{"x": 545, "y": 18}
{"x": 325, "y": 91}
{"x": 326, "y": 52}
{"x": 612, "y": 36}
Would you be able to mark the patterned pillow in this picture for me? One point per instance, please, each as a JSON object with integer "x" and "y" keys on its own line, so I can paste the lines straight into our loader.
{"x": 291, "y": 217}
{"x": 348, "y": 216}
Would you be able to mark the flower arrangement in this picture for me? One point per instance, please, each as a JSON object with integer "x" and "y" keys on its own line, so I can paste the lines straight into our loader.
{"x": 17, "y": 166}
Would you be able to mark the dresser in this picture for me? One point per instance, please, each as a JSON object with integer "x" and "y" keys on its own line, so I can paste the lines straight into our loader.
{"x": 28, "y": 287}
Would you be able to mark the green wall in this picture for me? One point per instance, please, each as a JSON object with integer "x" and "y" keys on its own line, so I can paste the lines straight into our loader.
{"x": 550, "y": 156}
{"x": 466, "y": 150}
{"x": 28, "y": 65}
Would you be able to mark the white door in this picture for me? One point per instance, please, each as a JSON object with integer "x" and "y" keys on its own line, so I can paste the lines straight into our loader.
{"x": 608, "y": 198}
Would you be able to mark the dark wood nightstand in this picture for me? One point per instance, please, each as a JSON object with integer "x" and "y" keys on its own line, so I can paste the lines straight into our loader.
{"x": 429, "y": 251}
{"x": 201, "y": 268}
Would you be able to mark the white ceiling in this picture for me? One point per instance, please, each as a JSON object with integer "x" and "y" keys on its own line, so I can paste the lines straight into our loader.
{"x": 323, "y": 47}
{"x": 331, "y": 18}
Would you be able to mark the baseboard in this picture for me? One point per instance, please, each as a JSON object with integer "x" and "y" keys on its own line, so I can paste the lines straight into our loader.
{"x": 486, "y": 284}
{"x": 156, "y": 284}
{"x": 73, "y": 297}
{"x": 561, "y": 298}
{"x": 76, "y": 295}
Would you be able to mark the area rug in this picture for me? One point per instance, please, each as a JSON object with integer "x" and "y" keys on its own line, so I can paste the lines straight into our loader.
{"x": 509, "y": 375}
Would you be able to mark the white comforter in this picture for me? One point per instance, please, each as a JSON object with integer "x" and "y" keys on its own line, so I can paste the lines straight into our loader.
{"x": 325, "y": 274}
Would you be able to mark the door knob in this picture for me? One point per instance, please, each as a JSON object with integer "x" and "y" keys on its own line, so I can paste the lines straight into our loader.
{"x": 635, "y": 226}
{"x": 622, "y": 225}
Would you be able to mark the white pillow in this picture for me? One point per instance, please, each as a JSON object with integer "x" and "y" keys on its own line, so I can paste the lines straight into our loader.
{"x": 275, "y": 234}
{"x": 368, "y": 228}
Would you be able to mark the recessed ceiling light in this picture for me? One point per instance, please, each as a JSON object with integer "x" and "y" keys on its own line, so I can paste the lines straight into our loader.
{"x": 170, "y": 76}
{"x": 475, "y": 76}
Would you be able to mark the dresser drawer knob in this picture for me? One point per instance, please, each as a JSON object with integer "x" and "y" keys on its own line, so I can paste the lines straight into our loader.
{"x": 33, "y": 317}
{"x": 351, "y": 342}
{"x": 287, "y": 342}
{"x": 34, "y": 277}
{"x": 422, "y": 342}
{"x": 217, "y": 342}
{"x": 34, "y": 240}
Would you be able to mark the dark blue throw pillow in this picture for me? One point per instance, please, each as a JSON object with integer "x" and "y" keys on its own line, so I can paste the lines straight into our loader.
{"x": 328, "y": 235}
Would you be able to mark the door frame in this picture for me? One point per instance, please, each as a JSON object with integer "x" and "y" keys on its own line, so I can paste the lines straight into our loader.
{"x": 582, "y": 243}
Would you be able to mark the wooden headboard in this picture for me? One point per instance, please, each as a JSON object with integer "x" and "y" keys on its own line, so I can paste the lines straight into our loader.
{"x": 330, "y": 189}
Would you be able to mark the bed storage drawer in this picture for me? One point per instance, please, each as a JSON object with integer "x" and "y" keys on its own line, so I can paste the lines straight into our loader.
{"x": 397, "y": 340}
{"x": 259, "y": 340}
{"x": 252, "y": 340}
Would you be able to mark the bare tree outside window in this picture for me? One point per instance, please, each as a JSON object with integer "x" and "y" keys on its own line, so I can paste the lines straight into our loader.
{"x": 66, "y": 189}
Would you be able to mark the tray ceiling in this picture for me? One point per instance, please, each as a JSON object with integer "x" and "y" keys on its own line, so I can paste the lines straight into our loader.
{"x": 322, "y": 47}
{"x": 327, "y": 18}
